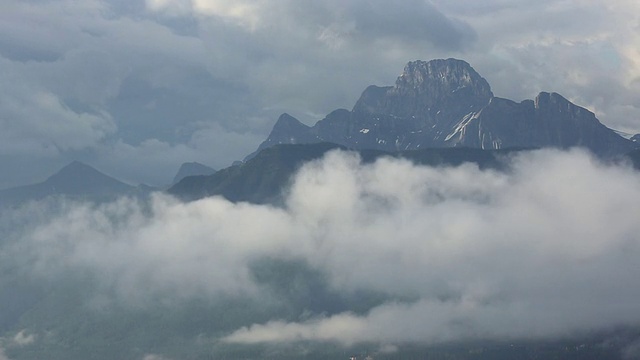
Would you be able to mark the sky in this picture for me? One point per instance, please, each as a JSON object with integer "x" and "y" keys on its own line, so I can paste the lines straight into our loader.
{"x": 137, "y": 87}
{"x": 459, "y": 253}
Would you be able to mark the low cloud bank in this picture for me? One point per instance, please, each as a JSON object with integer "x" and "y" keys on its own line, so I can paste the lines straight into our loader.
{"x": 548, "y": 249}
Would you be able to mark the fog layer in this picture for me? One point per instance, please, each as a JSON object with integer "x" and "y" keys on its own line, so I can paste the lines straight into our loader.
{"x": 545, "y": 250}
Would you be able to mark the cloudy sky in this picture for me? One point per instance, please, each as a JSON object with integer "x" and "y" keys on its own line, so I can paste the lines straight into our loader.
{"x": 136, "y": 87}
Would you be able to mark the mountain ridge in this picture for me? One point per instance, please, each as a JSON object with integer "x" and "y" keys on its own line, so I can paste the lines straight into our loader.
{"x": 446, "y": 103}
{"x": 264, "y": 178}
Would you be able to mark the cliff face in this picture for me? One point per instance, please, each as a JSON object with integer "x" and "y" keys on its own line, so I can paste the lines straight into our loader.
{"x": 548, "y": 121}
{"x": 446, "y": 103}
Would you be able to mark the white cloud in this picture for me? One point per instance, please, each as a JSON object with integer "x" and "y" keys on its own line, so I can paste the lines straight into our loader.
{"x": 545, "y": 250}
{"x": 532, "y": 254}
{"x": 154, "y": 357}
{"x": 182, "y": 251}
{"x": 23, "y": 339}
{"x": 179, "y": 6}
{"x": 245, "y": 13}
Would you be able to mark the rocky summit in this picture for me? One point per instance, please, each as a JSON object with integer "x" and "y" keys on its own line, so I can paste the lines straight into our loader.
{"x": 446, "y": 103}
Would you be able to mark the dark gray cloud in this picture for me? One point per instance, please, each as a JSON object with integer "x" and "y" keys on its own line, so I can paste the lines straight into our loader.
{"x": 413, "y": 21}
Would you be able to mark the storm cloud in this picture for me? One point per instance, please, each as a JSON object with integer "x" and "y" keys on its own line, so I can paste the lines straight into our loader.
{"x": 545, "y": 250}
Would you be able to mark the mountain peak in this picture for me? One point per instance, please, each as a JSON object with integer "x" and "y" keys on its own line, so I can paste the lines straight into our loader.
{"x": 428, "y": 91}
{"x": 446, "y": 103}
{"x": 544, "y": 98}
{"x": 558, "y": 104}
{"x": 192, "y": 169}
{"x": 75, "y": 179}
{"x": 74, "y": 169}
{"x": 287, "y": 122}
{"x": 441, "y": 77}
{"x": 287, "y": 130}
{"x": 80, "y": 177}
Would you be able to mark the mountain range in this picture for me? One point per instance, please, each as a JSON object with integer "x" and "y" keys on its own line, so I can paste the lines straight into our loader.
{"x": 78, "y": 180}
{"x": 434, "y": 108}
{"x": 446, "y": 103}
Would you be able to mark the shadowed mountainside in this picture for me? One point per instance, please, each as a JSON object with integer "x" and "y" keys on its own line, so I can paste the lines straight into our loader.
{"x": 264, "y": 178}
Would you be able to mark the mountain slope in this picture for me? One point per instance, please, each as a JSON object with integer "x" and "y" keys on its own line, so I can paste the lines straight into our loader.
{"x": 264, "y": 178}
{"x": 446, "y": 103}
{"x": 258, "y": 180}
{"x": 548, "y": 121}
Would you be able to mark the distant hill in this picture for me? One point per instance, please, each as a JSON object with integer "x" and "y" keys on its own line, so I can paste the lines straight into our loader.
{"x": 77, "y": 180}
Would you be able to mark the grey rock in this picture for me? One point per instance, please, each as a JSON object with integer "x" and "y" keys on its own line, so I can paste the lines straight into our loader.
{"x": 446, "y": 103}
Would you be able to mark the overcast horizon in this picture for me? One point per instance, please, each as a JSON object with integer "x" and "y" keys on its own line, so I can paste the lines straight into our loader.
{"x": 135, "y": 88}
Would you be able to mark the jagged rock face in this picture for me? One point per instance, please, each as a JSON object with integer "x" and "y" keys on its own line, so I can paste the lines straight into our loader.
{"x": 445, "y": 103}
{"x": 548, "y": 121}
{"x": 428, "y": 98}
{"x": 566, "y": 124}
{"x": 292, "y": 131}
{"x": 287, "y": 130}
{"x": 424, "y": 88}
